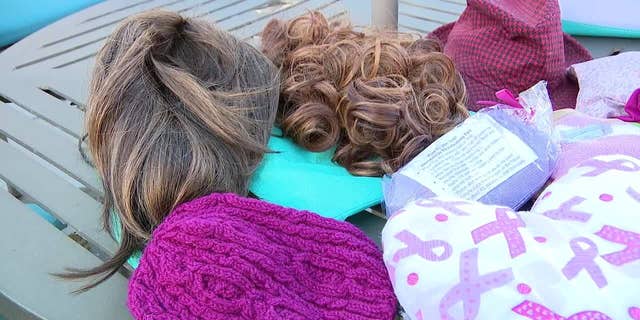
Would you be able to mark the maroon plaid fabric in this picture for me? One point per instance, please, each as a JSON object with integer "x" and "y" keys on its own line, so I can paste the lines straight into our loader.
{"x": 512, "y": 44}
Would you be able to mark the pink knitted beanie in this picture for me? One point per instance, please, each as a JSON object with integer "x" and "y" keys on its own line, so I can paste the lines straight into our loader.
{"x": 227, "y": 257}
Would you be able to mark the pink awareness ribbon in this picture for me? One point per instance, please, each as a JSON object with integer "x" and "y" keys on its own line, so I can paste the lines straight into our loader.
{"x": 583, "y": 260}
{"x": 630, "y": 239}
{"x": 472, "y": 286}
{"x": 600, "y": 166}
{"x": 424, "y": 249}
{"x": 536, "y": 311}
{"x": 566, "y": 211}
{"x": 635, "y": 195}
{"x": 506, "y": 226}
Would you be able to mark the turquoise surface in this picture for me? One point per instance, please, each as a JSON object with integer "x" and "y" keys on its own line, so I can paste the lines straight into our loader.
{"x": 134, "y": 260}
{"x": 21, "y": 18}
{"x": 583, "y": 29}
{"x": 297, "y": 178}
{"x": 46, "y": 215}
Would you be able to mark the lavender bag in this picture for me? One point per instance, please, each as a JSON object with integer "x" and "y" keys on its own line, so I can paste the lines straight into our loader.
{"x": 493, "y": 157}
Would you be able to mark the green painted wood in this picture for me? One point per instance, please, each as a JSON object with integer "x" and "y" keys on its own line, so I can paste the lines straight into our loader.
{"x": 55, "y": 195}
{"x": 58, "y": 148}
{"x": 31, "y": 249}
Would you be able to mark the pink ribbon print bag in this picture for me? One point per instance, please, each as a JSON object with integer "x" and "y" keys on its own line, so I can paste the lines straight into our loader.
{"x": 575, "y": 255}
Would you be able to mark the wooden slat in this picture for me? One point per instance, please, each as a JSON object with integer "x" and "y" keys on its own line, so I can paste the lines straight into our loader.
{"x": 440, "y": 6}
{"x": 602, "y": 47}
{"x": 437, "y": 20}
{"x": 250, "y": 16}
{"x": 101, "y": 26}
{"x": 210, "y": 8}
{"x": 329, "y": 8}
{"x": 333, "y": 11}
{"x": 240, "y": 17}
{"x": 87, "y": 38}
{"x": 456, "y": 2}
{"x": 56, "y": 196}
{"x": 411, "y": 29}
{"x": 429, "y": 20}
{"x": 416, "y": 24}
{"x": 231, "y": 10}
{"x": 79, "y": 63}
{"x": 31, "y": 249}
{"x": 25, "y": 93}
{"x": 115, "y": 9}
{"x": 425, "y": 16}
{"x": 53, "y": 145}
{"x": 82, "y": 35}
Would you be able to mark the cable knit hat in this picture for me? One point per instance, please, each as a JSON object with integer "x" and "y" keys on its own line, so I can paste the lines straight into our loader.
{"x": 498, "y": 44}
{"x": 227, "y": 257}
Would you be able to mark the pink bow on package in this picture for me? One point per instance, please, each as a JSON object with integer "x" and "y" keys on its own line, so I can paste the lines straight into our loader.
{"x": 533, "y": 106}
{"x": 575, "y": 255}
{"x": 632, "y": 108}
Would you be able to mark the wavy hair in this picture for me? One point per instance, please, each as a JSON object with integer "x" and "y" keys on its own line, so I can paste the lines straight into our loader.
{"x": 380, "y": 97}
{"x": 177, "y": 109}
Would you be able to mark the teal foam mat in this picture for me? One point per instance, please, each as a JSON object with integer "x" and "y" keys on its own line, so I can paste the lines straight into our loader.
{"x": 590, "y": 30}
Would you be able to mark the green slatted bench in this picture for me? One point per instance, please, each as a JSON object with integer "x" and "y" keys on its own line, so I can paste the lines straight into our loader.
{"x": 43, "y": 90}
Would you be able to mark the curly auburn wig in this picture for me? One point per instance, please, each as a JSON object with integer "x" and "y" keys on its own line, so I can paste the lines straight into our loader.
{"x": 379, "y": 97}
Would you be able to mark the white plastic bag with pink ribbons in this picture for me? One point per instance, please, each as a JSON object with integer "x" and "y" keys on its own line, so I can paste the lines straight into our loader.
{"x": 575, "y": 255}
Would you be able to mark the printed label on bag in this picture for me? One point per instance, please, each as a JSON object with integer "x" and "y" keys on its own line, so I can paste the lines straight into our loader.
{"x": 470, "y": 160}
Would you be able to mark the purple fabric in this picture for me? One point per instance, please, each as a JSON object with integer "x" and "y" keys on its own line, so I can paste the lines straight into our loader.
{"x": 227, "y": 257}
{"x": 574, "y": 153}
{"x": 578, "y": 119}
{"x": 513, "y": 193}
{"x": 606, "y": 84}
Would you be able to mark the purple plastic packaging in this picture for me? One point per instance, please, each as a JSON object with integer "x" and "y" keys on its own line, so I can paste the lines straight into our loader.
{"x": 513, "y": 192}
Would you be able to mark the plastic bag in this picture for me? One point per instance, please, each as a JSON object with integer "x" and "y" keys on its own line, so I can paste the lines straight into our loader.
{"x": 501, "y": 155}
{"x": 436, "y": 248}
{"x": 533, "y": 106}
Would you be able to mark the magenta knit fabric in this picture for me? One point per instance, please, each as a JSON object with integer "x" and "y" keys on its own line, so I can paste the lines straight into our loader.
{"x": 227, "y": 257}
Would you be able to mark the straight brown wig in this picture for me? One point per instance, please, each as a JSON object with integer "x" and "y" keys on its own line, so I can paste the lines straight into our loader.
{"x": 177, "y": 110}
{"x": 381, "y": 97}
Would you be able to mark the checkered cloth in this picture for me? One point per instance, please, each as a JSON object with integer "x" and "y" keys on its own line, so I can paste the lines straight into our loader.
{"x": 498, "y": 44}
